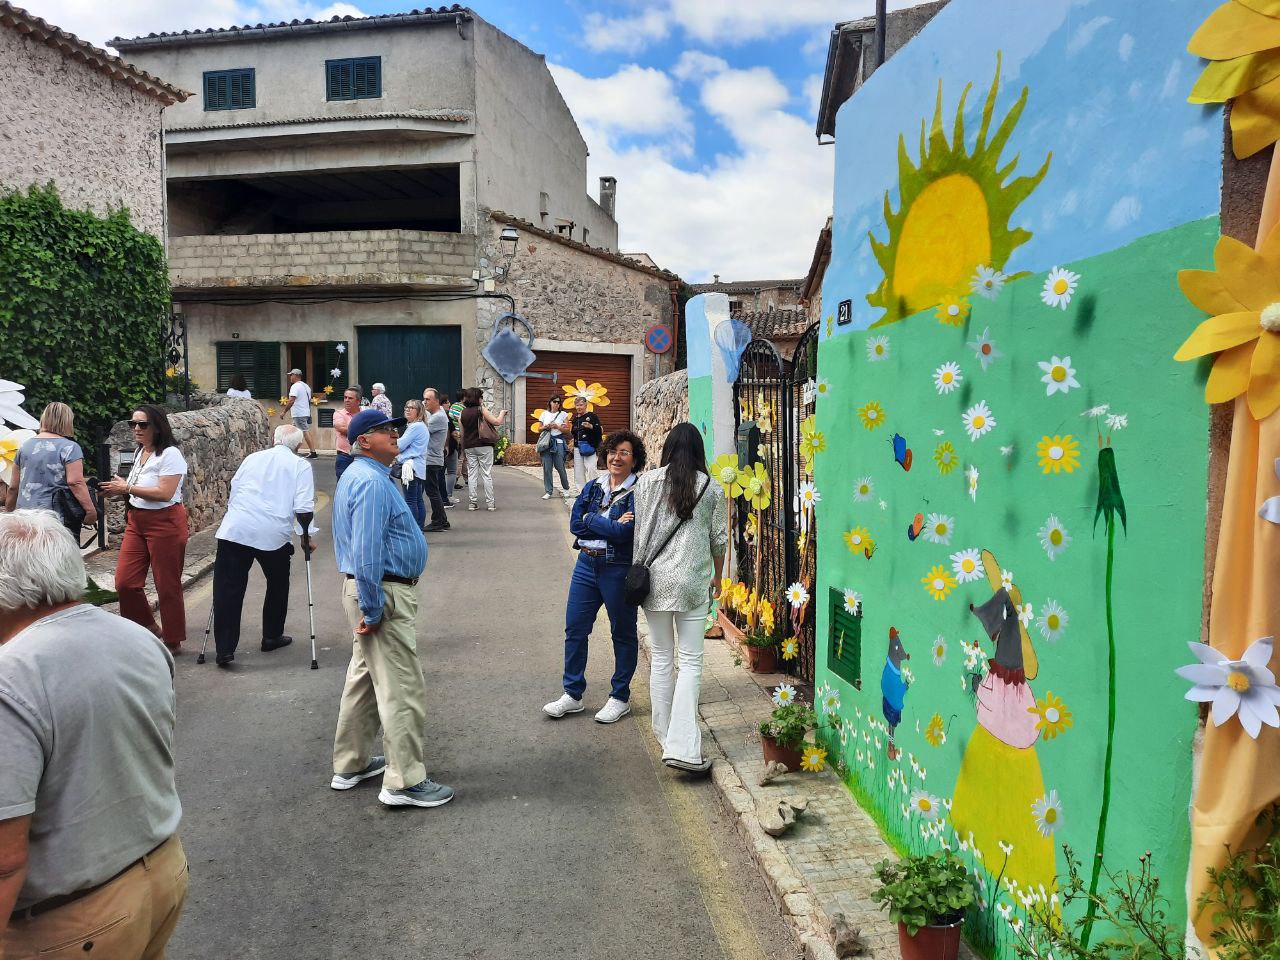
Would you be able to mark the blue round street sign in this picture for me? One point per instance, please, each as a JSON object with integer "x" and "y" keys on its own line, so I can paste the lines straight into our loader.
{"x": 658, "y": 338}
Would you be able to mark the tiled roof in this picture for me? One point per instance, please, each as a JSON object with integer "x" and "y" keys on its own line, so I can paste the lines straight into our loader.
{"x": 776, "y": 323}
{"x": 621, "y": 259}
{"x": 425, "y": 15}
{"x": 748, "y": 286}
{"x": 72, "y": 47}
{"x": 449, "y": 116}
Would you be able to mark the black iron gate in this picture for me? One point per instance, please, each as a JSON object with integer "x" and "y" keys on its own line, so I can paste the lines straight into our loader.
{"x": 804, "y": 394}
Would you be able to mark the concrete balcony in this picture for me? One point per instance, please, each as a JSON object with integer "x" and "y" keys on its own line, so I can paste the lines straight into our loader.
{"x": 344, "y": 259}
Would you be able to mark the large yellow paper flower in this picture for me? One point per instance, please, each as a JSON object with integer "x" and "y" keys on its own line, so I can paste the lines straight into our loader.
{"x": 10, "y": 442}
{"x": 725, "y": 469}
{"x": 595, "y": 394}
{"x": 755, "y": 486}
{"x": 813, "y": 759}
{"x": 765, "y": 609}
{"x": 1242, "y": 38}
{"x": 1243, "y": 294}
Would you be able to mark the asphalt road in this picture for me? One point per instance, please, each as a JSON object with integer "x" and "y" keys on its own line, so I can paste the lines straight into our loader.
{"x": 567, "y": 838}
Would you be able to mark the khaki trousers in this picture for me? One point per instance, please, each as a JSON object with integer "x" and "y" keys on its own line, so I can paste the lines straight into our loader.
{"x": 130, "y": 918}
{"x": 384, "y": 686}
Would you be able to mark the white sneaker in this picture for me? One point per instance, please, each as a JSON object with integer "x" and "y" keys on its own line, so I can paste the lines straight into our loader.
{"x": 566, "y": 704}
{"x": 491, "y": 508}
{"x": 546, "y": 496}
{"x": 567, "y": 495}
{"x": 613, "y": 711}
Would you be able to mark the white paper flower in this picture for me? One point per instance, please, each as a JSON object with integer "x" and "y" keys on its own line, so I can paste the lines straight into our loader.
{"x": 1025, "y": 614}
{"x": 884, "y": 504}
{"x": 925, "y": 804}
{"x": 863, "y": 489}
{"x": 1244, "y": 687}
{"x": 1048, "y": 813}
{"x": 784, "y": 694}
{"x": 11, "y": 397}
{"x": 1117, "y": 421}
{"x": 822, "y": 388}
{"x": 1059, "y": 375}
{"x": 987, "y": 282}
{"x": 967, "y": 565}
{"x": 1053, "y": 620}
{"x": 877, "y": 348}
{"x": 852, "y": 602}
{"x": 984, "y": 349}
{"x": 1099, "y": 411}
{"x": 972, "y": 475}
{"x": 938, "y": 528}
{"x": 1006, "y": 579}
{"x": 1053, "y": 537}
{"x": 341, "y": 348}
{"x": 335, "y": 373}
{"x": 939, "y": 657}
{"x": 831, "y": 702}
{"x": 1006, "y": 451}
{"x": 978, "y": 420}
{"x": 808, "y": 494}
{"x": 797, "y": 595}
{"x": 947, "y": 377}
{"x": 1059, "y": 287}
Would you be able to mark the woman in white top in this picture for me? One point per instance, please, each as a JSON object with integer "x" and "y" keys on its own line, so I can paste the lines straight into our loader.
{"x": 555, "y": 424}
{"x": 155, "y": 534}
{"x": 239, "y": 389}
{"x": 679, "y": 496}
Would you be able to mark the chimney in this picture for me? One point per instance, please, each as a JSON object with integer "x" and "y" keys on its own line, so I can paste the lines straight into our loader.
{"x": 608, "y": 192}
{"x": 715, "y": 278}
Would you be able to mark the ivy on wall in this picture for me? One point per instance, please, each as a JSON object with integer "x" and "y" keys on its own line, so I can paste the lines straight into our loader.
{"x": 82, "y": 303}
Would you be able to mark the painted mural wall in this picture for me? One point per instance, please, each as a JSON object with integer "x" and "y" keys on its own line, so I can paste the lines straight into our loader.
{"x": 1013, "y": 488}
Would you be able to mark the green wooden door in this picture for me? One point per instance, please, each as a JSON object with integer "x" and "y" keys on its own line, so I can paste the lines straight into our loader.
{"x": 409, "y": 359}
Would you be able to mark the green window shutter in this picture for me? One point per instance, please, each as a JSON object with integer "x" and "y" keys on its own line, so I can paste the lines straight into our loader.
{"x": 367, "y": 77}
{"x": 267, "y": 379}
{"x": 229, "y": 363}
{"x": 230, "y": 89}
{"x": 844, "y": 643}
{"x": 339, "y": 79}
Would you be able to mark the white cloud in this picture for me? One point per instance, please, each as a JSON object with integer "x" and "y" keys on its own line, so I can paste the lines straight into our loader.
{"x": 1123, "y": 212}
{"x": 635, "y": 100}
{"x": 1084, "y": 34}
{"x": 813, "y": 94}
{"x": 99, "y": 22}
{"x": 625, "y": 34}
{"x": 1125, "y": 47}
{"x": 696, "y": 65}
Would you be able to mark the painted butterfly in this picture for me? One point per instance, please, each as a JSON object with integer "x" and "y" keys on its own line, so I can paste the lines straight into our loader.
{"x": 914, "y": 528}
{"x": 901, "y": 453}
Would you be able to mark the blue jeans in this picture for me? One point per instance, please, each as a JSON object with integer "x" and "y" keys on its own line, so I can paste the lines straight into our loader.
{"x": 597, "y": 582}
{"x": 341, "y": 462}
{"x": 553, "y": 459}
{"x": 413, "y": 496}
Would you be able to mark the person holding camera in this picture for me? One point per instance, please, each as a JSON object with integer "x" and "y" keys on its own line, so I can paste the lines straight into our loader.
{"x": 155, "y": 533}
{"x": 49, "y": 473}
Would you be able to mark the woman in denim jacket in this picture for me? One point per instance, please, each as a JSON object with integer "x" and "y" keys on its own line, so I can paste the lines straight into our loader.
{"x": 603, "y": 525}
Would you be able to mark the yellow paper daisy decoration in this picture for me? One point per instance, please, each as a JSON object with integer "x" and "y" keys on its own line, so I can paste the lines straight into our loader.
{"x": 814, "y": 759}
{"x": 790, "y": 648}
{"x": 1242, "y": 39}
{"x": 1052, "y": 715}
{"x": 939, "y": 582}
{"x": 952, "y": 310}
{"x": 725, "y": 470}
{"x": 859, "y": 541}
{"x": 755, "y": 485}
{"x": 1058, "y": 453}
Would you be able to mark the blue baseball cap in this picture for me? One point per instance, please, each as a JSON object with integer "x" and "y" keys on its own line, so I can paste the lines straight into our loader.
{"x": 371, "y": 418}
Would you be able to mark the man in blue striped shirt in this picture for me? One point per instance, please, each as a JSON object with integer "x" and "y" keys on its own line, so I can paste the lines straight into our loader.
{"x": 382, "y": 552}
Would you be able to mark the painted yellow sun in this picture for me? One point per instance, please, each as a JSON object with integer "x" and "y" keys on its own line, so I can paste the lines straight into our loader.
{"x": 954, "y": 210}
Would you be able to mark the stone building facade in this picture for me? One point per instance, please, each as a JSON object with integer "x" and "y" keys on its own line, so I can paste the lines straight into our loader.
{"x": 77, "y": 116}
{"x": 754, "y": 296}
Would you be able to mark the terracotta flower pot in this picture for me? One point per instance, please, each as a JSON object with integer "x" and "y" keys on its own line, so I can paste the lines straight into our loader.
{"x": 784, "y": 755}
{"x": 930, "y": 943}
{"x": 732, "y": 631}
{"x": 761, "y": 659}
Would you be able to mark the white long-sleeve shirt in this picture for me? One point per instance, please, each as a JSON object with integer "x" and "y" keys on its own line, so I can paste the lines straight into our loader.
{"x": 268, "y": 489}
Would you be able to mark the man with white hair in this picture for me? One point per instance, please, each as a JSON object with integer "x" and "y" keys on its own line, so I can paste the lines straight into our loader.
{"x": 381, "y": 401}
{"x": 90, "y": 860}
{"x": 271, "y": 489}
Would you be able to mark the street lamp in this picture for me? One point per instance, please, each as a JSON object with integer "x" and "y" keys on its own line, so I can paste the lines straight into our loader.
{"x": 508, "y": 240}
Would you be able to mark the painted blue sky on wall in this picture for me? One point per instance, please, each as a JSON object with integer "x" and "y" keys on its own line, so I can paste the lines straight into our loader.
{"x": 1130, "y": 156}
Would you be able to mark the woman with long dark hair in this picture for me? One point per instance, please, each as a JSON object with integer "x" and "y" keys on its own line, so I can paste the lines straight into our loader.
{"x": 155, "y": 535}
{"x": 680, "y": 501}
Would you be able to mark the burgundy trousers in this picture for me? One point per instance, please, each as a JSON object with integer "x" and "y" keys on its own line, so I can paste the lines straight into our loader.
{"x": 155, "y": 540}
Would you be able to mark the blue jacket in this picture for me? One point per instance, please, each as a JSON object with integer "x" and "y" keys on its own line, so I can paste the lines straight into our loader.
{"x": 588, "y": 523}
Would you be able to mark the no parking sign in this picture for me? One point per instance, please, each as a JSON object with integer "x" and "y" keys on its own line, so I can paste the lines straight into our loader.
{"x": 658, "y": 339}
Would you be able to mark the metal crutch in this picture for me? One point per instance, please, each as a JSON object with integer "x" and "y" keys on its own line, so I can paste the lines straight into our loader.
{"x": 311, "y": 606}
{"x": 207, "y": 627}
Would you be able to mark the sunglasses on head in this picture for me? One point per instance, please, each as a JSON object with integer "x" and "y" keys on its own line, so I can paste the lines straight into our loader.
{"x": 139, "y": 424}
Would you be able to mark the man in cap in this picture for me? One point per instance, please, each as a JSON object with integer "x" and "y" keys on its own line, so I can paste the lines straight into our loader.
{"x": 269, "y": 490}
{"x": 382, "y": 553}
{"x": 299, "y": 408}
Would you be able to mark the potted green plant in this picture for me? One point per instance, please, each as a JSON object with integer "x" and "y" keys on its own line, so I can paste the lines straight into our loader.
{"x": 762, "y": 650}
{"x": 782, "y": 736}
{"x": 927, "y": 896}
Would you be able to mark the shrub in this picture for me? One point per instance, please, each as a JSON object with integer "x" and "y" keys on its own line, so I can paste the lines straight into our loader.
{"x": 923, "y": 891}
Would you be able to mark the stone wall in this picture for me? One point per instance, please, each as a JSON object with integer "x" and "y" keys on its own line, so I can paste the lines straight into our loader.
{"x": 97, "y": 138}
{"x": 660, "y": 405}
{"x": 213, "y": 440}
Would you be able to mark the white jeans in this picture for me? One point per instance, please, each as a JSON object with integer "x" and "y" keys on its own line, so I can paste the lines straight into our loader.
{"x": 480, "y": 467}
{"x": 584, "y": 468}
{"x": 675, "y": 696}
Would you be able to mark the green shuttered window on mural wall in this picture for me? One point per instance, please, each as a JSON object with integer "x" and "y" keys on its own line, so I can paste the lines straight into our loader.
{"x": 844, "y": 650}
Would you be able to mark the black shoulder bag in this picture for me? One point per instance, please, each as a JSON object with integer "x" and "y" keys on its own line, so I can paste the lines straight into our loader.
{"x": 636, "y": 587}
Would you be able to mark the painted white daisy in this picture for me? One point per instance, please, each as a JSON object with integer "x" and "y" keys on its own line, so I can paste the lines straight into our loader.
{"x": 1026, "y": 614}
{"x": 844, "y": 734}
{"x": 1006, "y": 579}
{"x": 1059, "y": 375}
{"x": 938, "y": 528}
{"x": 1099, "y": 411}
{"x": 808, "y": 494}
{"x": 978, "y": 420}
{"x": 972, "y": 475}
{"x": 852, "y": 602}
{"x": 939, "y": 657}
{"x": 1053, "y": 620}
{"x": 784, "y": 694}
{"x": 937, "y": 432}
{"x": 1053, "y": 537}
{"x": 947, "y": 377}
{"x": 863, "y": 489}
{"x": 1059, "y": 287}
{"x": 858, "y": 755}
{"x": 1007, "y": 849}
{"x": 831, "y": 703}
{"x": 967, "y": 565}
{"x": 797, "y": 595}
{"x": 1245, "y": 688}
{"x": 822, "y": 388}
{"x": 1117, "y": 421}
{"x": 987, "y": 282}
{"x": 1006, "y": 910}
{"x": 984, "y": 349}
{"x": 1048, "y": 813}
{"x": 925, "y": 804}
{"x": 877, "y": 348}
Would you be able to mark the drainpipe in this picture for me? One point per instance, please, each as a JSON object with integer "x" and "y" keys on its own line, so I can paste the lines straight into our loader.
{"x": 882, "y": 16}
{"x": 674, "y": 288}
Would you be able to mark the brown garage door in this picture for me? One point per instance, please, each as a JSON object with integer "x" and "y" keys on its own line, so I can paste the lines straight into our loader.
{"x": 613, "y": 371}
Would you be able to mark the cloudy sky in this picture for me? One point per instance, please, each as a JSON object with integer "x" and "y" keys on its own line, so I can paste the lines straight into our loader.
{"x": 703, "y": 109}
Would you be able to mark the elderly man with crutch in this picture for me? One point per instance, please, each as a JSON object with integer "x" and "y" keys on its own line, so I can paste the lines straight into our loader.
{"x": 271, "y": 489}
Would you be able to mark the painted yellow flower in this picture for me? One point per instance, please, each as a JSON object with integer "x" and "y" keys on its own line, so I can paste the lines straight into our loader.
{"x": 595, "y": 394}
{"x": 1052, "y": 715}
{"x": 765, "y": 610}
{"x": 944, "y": 454}
{"x": 756, "y": 488}
{"x": 1243, "y": 294}
{"x": 725, "y": 470}
{"x": 1242, "y": 38}
{"x": 872, "y": 415}
{"x": 952, "y": 310}
{"x": 726, "y": 591}
{"x": 859, "y": 541}
{"x": 790, "y": 648}
{"x": 271, "y": 411}
{"x": 936, "y": 732}
{"x": 939, "y": 582}
{"x": 813, "y": 759}
{"x": 1058, "y": 453}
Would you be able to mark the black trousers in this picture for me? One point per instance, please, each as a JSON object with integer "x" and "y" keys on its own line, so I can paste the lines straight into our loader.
{"x": 435, "y": 482}
{"x": 231, "y": 568}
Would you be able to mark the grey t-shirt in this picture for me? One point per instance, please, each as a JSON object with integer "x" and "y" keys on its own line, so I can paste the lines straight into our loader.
{"x": 86, "y": 733}
{"x": 438, "y": 430}
{"x": 42, "y": 465}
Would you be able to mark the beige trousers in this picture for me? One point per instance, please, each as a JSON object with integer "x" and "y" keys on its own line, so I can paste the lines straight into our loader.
{"x": 130, "y": 918}
{"x": 384, "y": 686}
